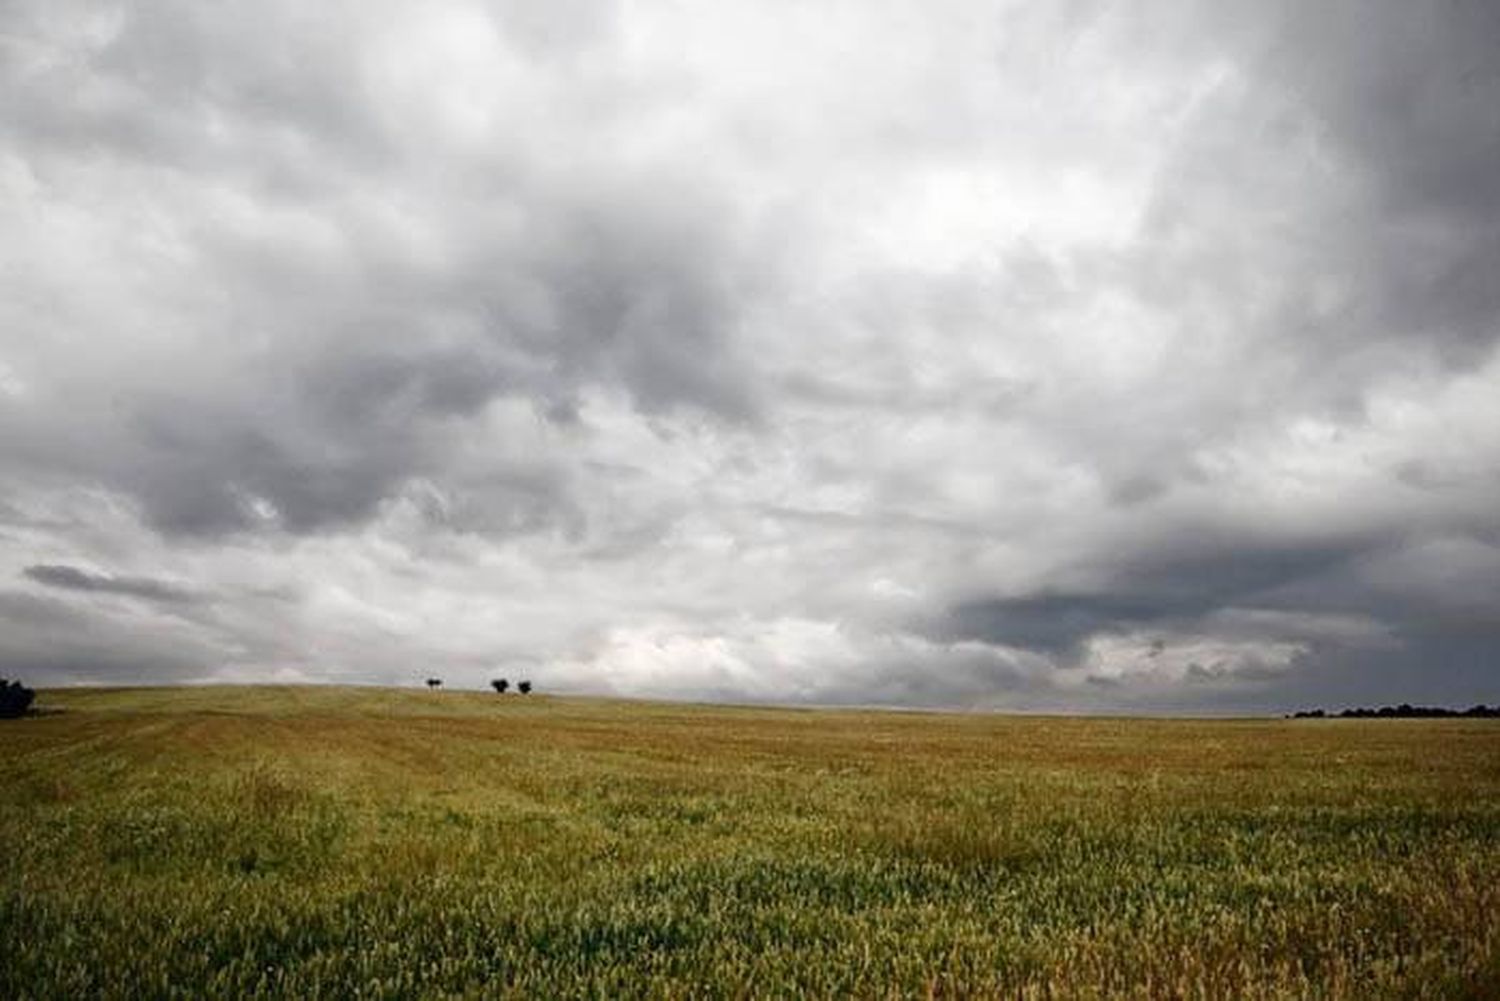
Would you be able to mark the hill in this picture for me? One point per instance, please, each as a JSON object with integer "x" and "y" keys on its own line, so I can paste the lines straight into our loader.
{"x": 318, "y": 842}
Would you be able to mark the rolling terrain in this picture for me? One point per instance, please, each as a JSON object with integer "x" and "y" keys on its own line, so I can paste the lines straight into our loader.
{"x": 340, "y": 842}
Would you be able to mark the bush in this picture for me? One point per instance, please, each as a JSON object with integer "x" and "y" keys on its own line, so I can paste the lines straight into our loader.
{"x": 15, "y": 699}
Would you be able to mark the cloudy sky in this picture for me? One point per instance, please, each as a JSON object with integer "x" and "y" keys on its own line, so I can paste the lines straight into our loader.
{"x": 1034, "y": 355}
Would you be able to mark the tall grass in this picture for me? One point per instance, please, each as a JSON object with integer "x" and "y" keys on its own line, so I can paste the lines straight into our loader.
{"x": 305, "y": 843}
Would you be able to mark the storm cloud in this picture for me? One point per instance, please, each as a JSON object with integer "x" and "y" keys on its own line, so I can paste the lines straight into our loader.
{"x": 994, "y": 354}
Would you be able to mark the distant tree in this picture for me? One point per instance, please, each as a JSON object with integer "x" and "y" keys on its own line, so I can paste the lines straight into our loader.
{"x": 500, "y": 685}
{"x": 434, "y": 682}
{"x": 15, "y": 699}
{"x": 524, "y": 687}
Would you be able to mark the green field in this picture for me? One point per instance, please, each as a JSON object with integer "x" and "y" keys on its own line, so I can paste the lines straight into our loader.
{"x": 322, "y": 842}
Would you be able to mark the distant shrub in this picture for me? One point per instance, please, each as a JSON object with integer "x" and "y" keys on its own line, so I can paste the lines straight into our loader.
{"x": 500, "y": 685}
{"x": 434, "y": 682}
{"x": 15, "y": 699}
{"x": 524, "y": 688}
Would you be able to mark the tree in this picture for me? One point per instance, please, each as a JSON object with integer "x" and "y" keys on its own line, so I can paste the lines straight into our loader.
{"x": 500, "y": 685}
{"x": 434, "y": 682}
{"x": 524, "y": 688}
{"x": 15, "y": 699}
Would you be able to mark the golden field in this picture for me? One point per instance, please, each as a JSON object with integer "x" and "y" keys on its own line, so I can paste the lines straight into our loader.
{"x": 343, "y": 842}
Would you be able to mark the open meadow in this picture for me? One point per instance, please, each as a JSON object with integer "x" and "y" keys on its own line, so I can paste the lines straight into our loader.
{"x": 326, "y": 842}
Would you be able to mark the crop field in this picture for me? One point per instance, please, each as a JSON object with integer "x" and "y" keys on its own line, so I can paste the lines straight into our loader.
{"x": 326, "y": 842}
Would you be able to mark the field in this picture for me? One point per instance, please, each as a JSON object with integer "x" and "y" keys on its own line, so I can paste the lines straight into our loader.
{"x": 323, "y": 842}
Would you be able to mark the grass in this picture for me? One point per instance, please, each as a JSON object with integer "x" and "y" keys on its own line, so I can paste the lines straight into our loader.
{"x": 322, "y": 842}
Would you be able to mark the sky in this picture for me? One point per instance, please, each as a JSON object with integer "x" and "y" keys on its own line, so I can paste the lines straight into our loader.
{"x": 1035, "y": 356}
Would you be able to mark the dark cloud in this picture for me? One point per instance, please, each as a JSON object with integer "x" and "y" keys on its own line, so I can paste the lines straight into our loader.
{"x": 1052, "y": 623}
{"x": 1156, "y": 587}
{"x": 70, "y": 578}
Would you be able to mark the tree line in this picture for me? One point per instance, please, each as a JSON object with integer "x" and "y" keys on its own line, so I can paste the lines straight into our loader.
{"x": 1403, "y": 711}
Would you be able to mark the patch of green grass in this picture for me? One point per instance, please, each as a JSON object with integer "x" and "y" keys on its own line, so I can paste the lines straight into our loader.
{"x": 305, "y": 843}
